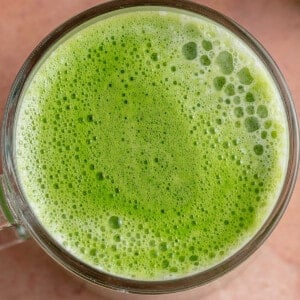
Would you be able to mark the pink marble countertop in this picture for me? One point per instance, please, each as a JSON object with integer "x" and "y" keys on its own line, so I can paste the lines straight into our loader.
{"x": 27, "y": 273}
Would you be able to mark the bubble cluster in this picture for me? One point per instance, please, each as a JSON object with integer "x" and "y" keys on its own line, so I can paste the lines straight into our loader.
{"x": 149, "y": 145}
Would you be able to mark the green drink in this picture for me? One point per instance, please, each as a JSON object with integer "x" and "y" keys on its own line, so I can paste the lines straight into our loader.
{"x": 151, "y": 145}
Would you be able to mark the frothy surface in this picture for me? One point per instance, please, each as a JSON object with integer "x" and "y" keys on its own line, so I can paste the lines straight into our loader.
{"x": 151, "y": 145}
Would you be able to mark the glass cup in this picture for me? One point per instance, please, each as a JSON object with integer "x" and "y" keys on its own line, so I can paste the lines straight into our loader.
{"x": 17, "y": 215}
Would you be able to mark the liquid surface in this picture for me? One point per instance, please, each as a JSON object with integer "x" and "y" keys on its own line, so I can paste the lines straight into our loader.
{"x": 151, "y": 145}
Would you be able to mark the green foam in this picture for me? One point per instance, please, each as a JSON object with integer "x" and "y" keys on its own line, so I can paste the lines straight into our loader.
{"x": 137, "y": 152}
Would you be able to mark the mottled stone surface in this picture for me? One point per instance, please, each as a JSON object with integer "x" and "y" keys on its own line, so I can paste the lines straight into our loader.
{"x": 27, "y": 273}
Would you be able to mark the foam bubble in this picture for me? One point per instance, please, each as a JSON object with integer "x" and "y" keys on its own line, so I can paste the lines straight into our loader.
{"x": 219, "y": 82}
{"x": 239, "y": 112}
{"x": 251, "y": 124}
{"x": 245, "y": 76}
{"x": 205, "y": 61}
{"x": 229, "y": 89}
{"x": 250, "y": 109}
{"x": 100, "y": 176}
{"x": 249, "y": 97}
{"x": 189, "y": 50}
{"x": 154, "y": 56}
{"x": 165, "y": 263}
{"x": 207, "y": 45}
{"x": 262, "y": 111}
{"x": 274, "y": 134}
{"x": 268, "y": 124}
{"x": 237, "y": 100}
{"x": 114, "y": 222}
{"x": 225, "y": 62}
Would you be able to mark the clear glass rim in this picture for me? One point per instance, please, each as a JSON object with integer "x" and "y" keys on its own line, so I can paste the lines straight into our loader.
{"x": 25, "y": 216}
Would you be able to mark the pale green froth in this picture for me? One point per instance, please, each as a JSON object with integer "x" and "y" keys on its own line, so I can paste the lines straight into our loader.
{"x": 151, "y": 145}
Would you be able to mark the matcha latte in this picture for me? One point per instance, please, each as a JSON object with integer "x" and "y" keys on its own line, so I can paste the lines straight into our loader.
{"x": 151, "y": 144}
